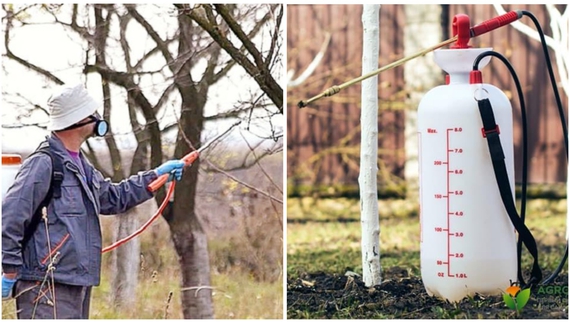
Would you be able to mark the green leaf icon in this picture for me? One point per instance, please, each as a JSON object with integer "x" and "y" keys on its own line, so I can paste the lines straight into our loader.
{"x": 509, "y": 301}
{"x": 522, "y": 298}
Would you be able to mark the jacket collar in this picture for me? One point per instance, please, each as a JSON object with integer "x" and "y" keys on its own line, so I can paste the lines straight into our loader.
{"x": 58, "y": 148}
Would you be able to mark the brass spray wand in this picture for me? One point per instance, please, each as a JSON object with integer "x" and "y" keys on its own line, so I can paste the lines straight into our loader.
{"x": 336, "y": 88}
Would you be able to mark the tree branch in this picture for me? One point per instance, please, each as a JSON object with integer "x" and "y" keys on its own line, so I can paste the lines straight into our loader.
{"x": 153, "y": 35}
{"x": 262, "y": 77}
{"x": 135, "y": 93}
{"x": 236, "y": 28}
{"x": 100, "y": 40}
{"x": 23, "y": 62}
{"x": 274, "y": 38}
{"x": 256, "y": 159}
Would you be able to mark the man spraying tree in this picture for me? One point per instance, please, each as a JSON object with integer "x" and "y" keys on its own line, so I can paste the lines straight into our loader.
{"x": 51, "y": 235}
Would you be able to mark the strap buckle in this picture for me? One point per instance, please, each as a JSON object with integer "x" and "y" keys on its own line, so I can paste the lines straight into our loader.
{"x": 490, "y": 131}
{"x": 58, "y": 176}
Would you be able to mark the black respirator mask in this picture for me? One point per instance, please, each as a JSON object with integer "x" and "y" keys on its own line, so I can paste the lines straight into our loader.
{"x": 101, "y": 126}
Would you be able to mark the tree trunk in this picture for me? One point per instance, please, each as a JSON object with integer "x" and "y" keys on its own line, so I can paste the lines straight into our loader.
{"x": 189, "y": 238}
{"x": 369, "y": 149}
{"x": 191, "y": 245}
{"x": 422, "y": 30}
{"x": 126, "y": 261}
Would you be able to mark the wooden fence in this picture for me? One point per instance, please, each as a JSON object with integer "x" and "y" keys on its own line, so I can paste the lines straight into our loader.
{"x": 323, "y": 139}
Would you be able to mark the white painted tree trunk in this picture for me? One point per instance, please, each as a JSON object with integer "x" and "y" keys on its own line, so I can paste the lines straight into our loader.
{"x": 422, "y": 30}
{"x": 369, "y": 149}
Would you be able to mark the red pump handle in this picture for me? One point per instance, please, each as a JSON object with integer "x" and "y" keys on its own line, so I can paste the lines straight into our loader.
{"x": 494, "y": 23}
{"x": 461, "y": 28}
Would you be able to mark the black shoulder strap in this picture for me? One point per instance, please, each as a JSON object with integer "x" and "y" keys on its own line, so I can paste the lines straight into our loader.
{"x": 53, "y": 192}
{"x": 491, "y": 132}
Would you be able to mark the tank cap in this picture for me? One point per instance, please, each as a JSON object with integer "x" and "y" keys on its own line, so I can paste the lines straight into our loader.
{"x": 475, "y": 77}
{"x": 461, "y": 28}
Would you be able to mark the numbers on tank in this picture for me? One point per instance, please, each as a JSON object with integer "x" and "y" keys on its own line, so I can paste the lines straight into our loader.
{"x": 452, "y": 176}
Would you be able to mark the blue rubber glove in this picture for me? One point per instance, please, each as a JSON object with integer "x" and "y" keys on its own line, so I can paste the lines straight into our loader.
{"x": 174, "y": 167}
{"x": 7, "y": 285}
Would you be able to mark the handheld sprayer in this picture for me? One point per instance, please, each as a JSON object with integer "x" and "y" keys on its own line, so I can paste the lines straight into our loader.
{"x": 468, "y": 216}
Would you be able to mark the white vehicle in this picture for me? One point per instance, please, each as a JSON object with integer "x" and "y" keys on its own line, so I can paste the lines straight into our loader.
{"x": 10, "y": 165}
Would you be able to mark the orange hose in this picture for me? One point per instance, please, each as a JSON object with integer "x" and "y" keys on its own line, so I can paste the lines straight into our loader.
{"x": 148, "y": 223}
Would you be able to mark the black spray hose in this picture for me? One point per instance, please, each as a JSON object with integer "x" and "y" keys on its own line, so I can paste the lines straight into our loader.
{"x": 562, "y": 120}
{"x": 525, "y": 146}
{"x": 551, "y": 74}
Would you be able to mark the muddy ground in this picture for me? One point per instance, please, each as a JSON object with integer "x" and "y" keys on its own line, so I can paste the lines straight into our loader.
{"x": 324, "y": 296}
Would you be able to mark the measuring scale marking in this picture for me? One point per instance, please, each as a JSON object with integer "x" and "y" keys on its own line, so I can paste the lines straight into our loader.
{"x": 449, "y": 214}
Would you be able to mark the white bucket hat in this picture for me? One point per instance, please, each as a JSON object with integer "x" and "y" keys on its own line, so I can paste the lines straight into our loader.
{"x": 68, "y": 105}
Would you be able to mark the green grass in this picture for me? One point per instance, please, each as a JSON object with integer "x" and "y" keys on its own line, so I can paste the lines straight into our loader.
{"x": 318, "y": 241}
{"x": 324, "y": 244}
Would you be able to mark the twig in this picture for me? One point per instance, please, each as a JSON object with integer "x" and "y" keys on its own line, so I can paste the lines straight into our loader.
{"x": 243, "y": 183}
{"x": 167, "y": 305}
{"x": 259, "y": 165}
{"x": 50, "y": 268}
{"x": 197, "y": 288}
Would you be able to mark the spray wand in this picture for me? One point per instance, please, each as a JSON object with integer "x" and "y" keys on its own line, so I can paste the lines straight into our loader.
{"x": 474, "y": 31}
{"x": 189, "y": 159}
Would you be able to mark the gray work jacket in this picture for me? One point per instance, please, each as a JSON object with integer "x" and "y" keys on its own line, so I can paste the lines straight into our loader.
{"x": 72, "y": 220}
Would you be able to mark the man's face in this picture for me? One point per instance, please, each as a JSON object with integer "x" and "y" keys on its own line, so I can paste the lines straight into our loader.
{"x": 87, "y": 129}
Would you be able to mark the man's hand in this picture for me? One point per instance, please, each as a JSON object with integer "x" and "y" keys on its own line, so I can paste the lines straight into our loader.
{"x": 7, "y": 285}
{"x": 172, "y": 166}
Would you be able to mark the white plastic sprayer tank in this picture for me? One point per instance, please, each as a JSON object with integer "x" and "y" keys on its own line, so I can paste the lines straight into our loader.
{"x": 468, "y": 243}
{"x": 10, "y": 165}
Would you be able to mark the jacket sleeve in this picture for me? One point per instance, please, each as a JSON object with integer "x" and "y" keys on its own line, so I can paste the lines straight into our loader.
{"x": 116, "y": 198}
{"x": 22, "y": 199}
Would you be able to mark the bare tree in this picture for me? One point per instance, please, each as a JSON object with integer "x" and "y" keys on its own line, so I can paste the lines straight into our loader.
{"x": 195, "y": 56}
